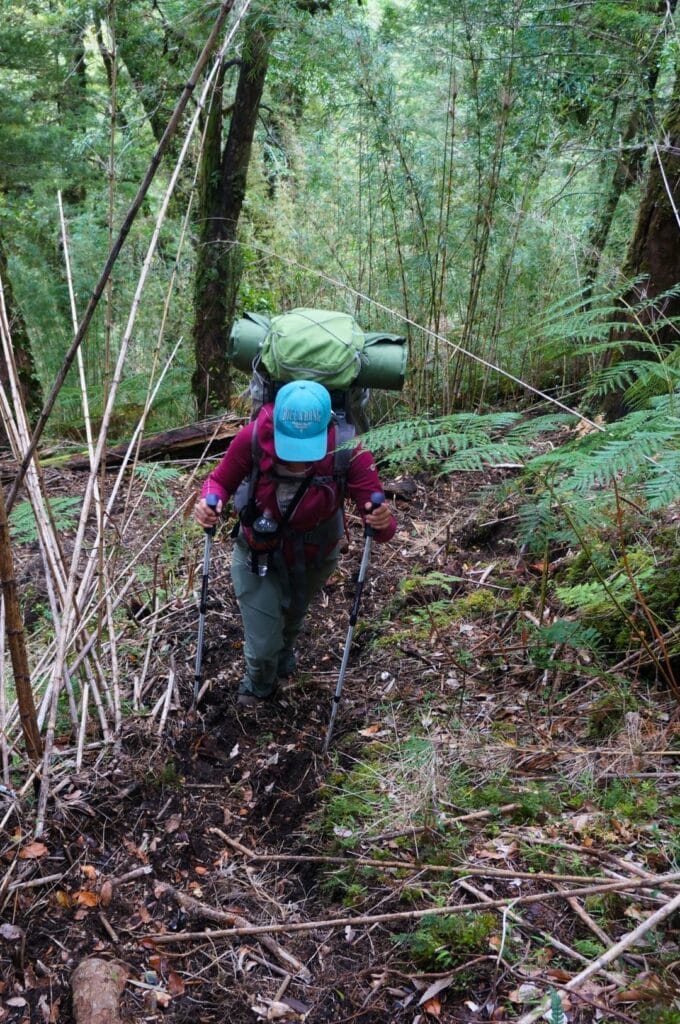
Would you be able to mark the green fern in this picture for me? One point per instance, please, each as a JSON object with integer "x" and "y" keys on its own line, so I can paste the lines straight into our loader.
{"x": 22, "y": 523}
{"x": 556, "y": 1008}
{"x": 568, "y": 633}
{"x": 461, "y": 442}
{"x": 596, "y": 597}
{"x": 664, "y": 486}
{"x": 157, "y": 478}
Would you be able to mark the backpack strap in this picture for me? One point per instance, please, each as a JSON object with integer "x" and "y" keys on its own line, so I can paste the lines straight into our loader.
{"x": 244, "y": 498}
{"x": 342, "y": 456}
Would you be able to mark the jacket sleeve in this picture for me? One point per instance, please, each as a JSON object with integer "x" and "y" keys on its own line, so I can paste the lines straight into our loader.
{"x": 362, "y": 481}
{"x": 234, "y": 466}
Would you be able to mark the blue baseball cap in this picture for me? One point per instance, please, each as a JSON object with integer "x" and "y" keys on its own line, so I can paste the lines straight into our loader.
{"x": 302, "y": 412}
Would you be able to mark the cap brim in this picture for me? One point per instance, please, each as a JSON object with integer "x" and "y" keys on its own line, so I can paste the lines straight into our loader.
{"x": 300, "y": 449}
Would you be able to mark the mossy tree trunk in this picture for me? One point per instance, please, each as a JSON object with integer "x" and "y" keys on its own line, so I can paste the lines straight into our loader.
{"x": 31, "y": 391}
{"x": 17, "y": 641}
{"x": 653, "y": 257}
{"x": 628, "y": 167}
{"x": 223, "y": 185}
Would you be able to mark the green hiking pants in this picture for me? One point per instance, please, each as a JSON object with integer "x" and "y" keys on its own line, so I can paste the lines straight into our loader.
{"x": 272, "y": 608}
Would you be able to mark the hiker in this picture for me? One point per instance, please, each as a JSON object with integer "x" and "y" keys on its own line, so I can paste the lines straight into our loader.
{"x": 292, "y": 523}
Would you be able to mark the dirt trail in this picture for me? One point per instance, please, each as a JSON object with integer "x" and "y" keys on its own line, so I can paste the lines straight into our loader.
{"x": 456, "y": 700}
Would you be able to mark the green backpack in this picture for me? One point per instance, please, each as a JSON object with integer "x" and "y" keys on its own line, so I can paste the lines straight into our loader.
{"x": 314, "y": 344}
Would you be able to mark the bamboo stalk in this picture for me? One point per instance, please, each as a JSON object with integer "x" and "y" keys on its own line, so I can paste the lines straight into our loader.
{"x": 611, "y": 954}
{"x": 167, "y": 701}
{"x": 465, "y": 870}
{"x": 138, "y": 689}
{"x": 87, "y": 499}
{"x": 83, "y": 727}
{"x": 186, "y": 95}
{"x": 19, "y": 434}
{"x": 4, "y": 743}
{"x": 164, "y": 317}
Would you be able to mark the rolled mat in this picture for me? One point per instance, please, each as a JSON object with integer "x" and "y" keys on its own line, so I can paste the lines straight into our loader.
{"x": 383, "y": 360}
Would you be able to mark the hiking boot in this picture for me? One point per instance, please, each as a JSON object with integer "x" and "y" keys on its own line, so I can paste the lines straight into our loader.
{"x": 287, "y": 664}
{"x": 250, "y": 700}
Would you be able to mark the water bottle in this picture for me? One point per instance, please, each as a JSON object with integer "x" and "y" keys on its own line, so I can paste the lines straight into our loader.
{"x": 265, "y": 537}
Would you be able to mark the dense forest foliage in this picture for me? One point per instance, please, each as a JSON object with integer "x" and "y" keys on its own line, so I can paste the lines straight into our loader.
{"x": 477, "y": 174}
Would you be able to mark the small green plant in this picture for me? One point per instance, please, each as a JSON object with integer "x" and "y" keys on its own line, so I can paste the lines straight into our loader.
{"x": 475, "y": 605}
{"x": 556, "y": 1009}
{"x": 348, "y": 885}
{"x": 655, "y": 1015}
{"x": 439, "y": 942}
{"x": 628, "y": 800}
{"x": 155, "y": 479}
{"x": 22, "y": 523}
{"x": 166, "y": 777}
{"x": 588, "y": 948}
{"x": 608, "y": 713}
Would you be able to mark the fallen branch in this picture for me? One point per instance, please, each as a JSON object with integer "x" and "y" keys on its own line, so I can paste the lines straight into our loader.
{"x": 581, "y": 912}
{"x": 448, "y": 869}
{"x": 611, "y": 954}
{"x": 407, "y": 915}
{"x": 195, "y": 908}
{"x": 36, "y": 883}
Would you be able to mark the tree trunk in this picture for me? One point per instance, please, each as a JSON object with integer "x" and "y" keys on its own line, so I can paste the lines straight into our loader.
{"x": 218, "y": 268}
{"x": 29, "y": 384}
{"x": 628, "y": 167}
{"x": 17, "y": 642}
{"x": 654, "y": 252}
{"x": 626, "y": 172}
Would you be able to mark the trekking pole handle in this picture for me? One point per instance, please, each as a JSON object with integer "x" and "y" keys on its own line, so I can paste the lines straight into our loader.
{"x": 377, "y": 499}
{"x": 212, "y": 501}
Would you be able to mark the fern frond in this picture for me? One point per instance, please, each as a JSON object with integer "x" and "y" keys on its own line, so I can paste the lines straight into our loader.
{"x": 626, "y": 375}
{"x": 427, "y": 441}
{"x": 568, "y": 633}
{"x": 556, "y": 1008}
{"x": 484, "y": 456}
{"x": 620, "y": 458}
{"x": 663, "y": 487}
{"x": 541, "y": 424}
{"x": 538, "y": 523}
{"x": 22, "y": 524}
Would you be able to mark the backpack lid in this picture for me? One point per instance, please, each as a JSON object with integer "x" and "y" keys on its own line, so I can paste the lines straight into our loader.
{"x": 314, "y": 344}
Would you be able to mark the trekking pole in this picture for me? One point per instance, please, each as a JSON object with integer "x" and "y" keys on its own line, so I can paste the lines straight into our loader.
{"x": 376, "y": 501}
{"x": 211, "y": 501}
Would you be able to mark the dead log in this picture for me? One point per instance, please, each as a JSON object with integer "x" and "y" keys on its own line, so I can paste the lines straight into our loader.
{"x": 97, "y": 986}
{"x": 207, "y": 437}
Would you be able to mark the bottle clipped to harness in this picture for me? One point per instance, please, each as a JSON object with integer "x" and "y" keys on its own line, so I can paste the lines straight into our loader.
{"x": 265, "y": 539}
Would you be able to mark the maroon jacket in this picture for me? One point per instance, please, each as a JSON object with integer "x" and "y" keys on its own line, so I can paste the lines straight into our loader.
{"x": 320, "y": 501}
